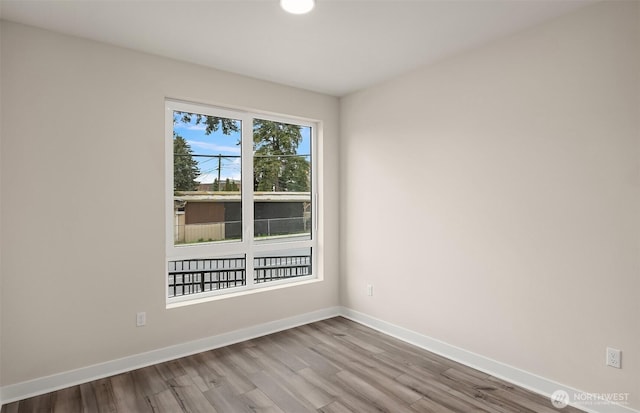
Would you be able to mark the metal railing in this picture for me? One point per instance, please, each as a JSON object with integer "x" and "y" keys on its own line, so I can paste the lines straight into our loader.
{"x": 281, "y": 226}
{"x": 276, "y": 268}
{"x": 187, "y": 277}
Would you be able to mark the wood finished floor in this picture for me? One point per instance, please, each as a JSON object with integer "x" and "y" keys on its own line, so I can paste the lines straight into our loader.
{"x": 332, "y": 366}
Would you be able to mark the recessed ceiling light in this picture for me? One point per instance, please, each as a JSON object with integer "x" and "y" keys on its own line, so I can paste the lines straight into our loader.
{"x": 297, "y": 6}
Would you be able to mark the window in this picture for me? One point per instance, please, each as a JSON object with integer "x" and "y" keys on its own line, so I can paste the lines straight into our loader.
{"x": 240, "y": 200}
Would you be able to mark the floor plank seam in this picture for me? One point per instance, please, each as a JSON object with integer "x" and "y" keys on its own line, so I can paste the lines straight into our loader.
{"x": 330, "y": 366}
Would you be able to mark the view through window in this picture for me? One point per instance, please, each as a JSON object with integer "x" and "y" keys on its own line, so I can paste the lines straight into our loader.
{"x": 241, "y": 200}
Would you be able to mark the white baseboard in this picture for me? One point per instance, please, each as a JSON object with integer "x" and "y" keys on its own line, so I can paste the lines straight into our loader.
{"x": 495, "y": 368}
{"x": 23, "y": 390}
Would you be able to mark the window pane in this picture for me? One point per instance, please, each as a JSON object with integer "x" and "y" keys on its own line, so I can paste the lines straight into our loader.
{"x": 208, "y": 274}
{"x": 274, "y": 266}
{"x": 281, "y": 181}
{"x": 207, "y": 169}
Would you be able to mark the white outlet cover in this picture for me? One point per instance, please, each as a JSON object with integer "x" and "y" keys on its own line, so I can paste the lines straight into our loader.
{"x": 141, "y": 319}
{"x": 614, "y": 357}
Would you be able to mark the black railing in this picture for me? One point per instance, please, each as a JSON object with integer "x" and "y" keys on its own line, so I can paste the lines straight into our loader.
{"x": 276, "y": 268}
{"x": 198, "y": 276}
{"x": 187, "y": 277}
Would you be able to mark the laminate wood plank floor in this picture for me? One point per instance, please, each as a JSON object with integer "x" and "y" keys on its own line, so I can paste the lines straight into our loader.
{"x": 331, "y": 366}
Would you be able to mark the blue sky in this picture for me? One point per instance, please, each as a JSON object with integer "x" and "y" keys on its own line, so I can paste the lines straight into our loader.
{"x": 220, "y": 144}
{"x": 215, "y": 144}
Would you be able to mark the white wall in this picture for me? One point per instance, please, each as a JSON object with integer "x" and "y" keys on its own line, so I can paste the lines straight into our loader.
{"x": 506, "y": 181}
{"x": 83, "y": 202}
{"x": 493, "y": 200}
{"x": 1, "y": 103}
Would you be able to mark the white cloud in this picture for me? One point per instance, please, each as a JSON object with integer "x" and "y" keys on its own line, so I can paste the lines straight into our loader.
{"x": 180, "y": 125}
{"x": 213, "y": 147}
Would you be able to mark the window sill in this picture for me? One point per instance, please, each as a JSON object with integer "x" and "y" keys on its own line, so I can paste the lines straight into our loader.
{"x": 217, "y": 297}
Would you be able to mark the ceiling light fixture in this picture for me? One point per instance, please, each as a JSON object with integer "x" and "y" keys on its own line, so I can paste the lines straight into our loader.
{"x": 297, "y": 6}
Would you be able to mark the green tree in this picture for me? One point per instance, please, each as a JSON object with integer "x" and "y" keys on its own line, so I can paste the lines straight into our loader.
{"x": 185, "y": 168}
{"x": 230, "y": 186}
{"x": 295, "y": 175}
{"x": 277, "y": 166}
{"x": 212, "y": 123}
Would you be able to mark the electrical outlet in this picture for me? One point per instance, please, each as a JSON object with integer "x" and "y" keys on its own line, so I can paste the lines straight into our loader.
{"x": 369, "y": 290}
{"x": 614, "y": 358}
{"x": 141, "y": 319}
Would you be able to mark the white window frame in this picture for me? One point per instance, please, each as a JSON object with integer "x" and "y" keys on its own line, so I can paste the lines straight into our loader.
{"x": 248, "y": 246}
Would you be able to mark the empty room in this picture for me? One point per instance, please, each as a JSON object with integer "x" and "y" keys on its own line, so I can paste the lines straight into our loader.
{"x": 320, "y": 206}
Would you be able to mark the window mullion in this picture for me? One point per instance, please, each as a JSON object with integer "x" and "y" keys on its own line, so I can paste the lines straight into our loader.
{"x": 247, "y": 195}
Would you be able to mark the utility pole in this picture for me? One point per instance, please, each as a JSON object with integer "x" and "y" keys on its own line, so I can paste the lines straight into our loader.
{"x": 219, "y": 168}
